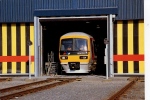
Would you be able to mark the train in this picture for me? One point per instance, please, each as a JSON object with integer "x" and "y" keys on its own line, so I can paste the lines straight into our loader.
{"x": 77, "y": 53}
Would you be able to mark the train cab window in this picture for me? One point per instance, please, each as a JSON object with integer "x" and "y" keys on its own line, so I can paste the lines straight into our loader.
{"x": 73, "y": 44}
{"x": 67, "y": 44}
{"x": 69, "y": 48}
{"x": 80, "y": 44}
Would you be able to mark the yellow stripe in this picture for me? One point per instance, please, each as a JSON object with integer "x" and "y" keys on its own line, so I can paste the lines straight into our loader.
{"x": 130, "y": 67}
{"x": 14, "y": 67}
{"x": 119, "y": 45}
{"x": 119, "y": 38}
{"x": 4, "y": 47}
{"x": 141, "y": 45}
{"x": 32, "y": 67}
{"x": 130, "y": 37}
{"x": 141, "y": 67}
{"x": 4, "y": 67}
{"x": 23, "y": 47}
{"x": 4, "y": 39}
{"x": 120, "y": 67}
{"x": 13, "y": 48}
{"x": 130, "y": 46}
{"x": 141, "y": 37}
{"x": 13, "y": 38}
{"x": 32, "y": 46}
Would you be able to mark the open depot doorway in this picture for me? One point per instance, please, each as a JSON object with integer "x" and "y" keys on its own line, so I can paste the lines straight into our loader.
{"x": 53, "y": 30}
{"x": 39, "y": 23}
{"x": 73, "y": 15}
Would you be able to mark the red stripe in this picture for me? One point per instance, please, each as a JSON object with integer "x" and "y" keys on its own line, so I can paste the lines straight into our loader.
{"x": 128, "y": 57}
{"x": 116, "y": 58}
{"x": 15, "y": 58}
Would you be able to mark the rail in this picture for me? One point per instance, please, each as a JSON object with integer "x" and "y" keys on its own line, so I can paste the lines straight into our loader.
{"x": 28, "y": 90}
{"x": 5, "y": 79}
{"x": 117, "y": 95}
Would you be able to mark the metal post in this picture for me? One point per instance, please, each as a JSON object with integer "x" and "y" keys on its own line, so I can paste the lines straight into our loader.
{"x": 40, "y": 60}
{"x": 110, "y": 46}
{"x": 106, "y": 60}
{"x": 29, "y": 63}
{"x": 29, "y": 44}
{"x": 107, "y": 50}
{"x": 36, "y": 50}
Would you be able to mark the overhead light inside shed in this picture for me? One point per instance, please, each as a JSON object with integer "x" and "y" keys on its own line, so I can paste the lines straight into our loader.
{"x": 97, "y": 26}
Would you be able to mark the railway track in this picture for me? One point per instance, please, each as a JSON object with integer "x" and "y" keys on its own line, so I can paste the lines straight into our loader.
{"x": 133, "y": 80}
{"x": 21, "y": 90}
{"x": 5, "y": 79}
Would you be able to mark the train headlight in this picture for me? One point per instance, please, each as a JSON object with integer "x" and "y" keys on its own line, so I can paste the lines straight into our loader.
{"x": 83, "y": 57}
{"x": 64, "y": 57}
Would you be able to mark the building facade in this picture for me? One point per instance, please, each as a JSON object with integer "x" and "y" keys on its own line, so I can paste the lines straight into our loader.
{"x": 17, "y": 27}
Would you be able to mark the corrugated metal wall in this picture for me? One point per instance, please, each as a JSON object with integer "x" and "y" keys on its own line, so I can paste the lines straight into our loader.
{"x": 22, "y": 10}
{"x": 54, "y": 4}
{"x": 14, "y": 50}
{"x": 130, "y": 9}
{"x": 96, "y": 3}
{"x": 129, "y": 47}
{"x": 128, "y": 32}
{"x": 127, "y": 9}
{"x": 16, "y": 10}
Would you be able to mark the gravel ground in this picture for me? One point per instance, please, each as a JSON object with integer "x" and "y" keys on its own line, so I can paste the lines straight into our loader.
{"x": 17, "y": 81}
{"x": 89, "y": 88}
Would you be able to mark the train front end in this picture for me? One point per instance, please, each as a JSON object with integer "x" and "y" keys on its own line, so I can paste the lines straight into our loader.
{"x": 74, "y": 54}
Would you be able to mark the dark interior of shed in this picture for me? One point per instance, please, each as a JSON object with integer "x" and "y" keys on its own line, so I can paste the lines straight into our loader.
{"x": 53, "y": 30}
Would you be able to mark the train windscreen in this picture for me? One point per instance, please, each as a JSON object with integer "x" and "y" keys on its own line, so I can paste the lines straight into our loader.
{"x": 73, "y": 44}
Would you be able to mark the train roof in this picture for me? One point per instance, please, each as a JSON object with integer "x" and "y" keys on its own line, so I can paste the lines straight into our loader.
{"x": 77, "y": 34}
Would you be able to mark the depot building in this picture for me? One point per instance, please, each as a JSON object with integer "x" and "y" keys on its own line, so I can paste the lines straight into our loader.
{"x": 43, "y": 22}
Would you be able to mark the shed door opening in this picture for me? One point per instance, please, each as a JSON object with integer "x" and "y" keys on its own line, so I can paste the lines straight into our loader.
{"x": 78, "y": 15}
{"x": 52, "y": 30}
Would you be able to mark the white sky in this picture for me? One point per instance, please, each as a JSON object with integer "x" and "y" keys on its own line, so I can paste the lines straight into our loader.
{"x": 147, "y": 47}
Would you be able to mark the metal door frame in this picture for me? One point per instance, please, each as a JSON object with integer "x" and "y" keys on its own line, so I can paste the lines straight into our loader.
{"x": 38, "y": 47}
